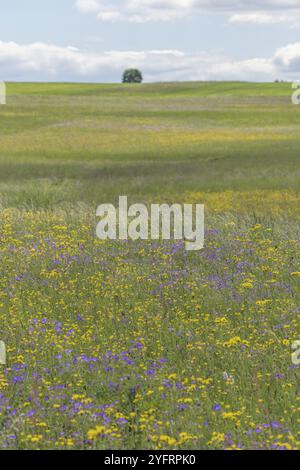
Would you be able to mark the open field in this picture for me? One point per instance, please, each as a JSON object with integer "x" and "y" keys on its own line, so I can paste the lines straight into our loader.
{"x": 131, "y": 345}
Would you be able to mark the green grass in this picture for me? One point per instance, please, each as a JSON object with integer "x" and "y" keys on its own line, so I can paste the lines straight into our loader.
{"x": 130, "y": 345}
{"x": 161, "y": 89}
{"x": 194, "y": 136}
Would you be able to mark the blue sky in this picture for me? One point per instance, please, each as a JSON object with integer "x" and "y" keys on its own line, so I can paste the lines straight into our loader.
{"x": 94, "y": 40}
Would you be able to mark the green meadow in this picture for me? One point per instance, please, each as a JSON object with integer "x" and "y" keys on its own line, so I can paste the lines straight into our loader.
{"x": 143, "y": 345}
{"x": 88, "y": 143}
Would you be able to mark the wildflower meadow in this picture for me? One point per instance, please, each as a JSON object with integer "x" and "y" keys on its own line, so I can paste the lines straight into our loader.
{"x": 143, "y": 344}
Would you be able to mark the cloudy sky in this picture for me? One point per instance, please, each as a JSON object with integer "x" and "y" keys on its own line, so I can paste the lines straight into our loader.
{"x": 94, "y": 40}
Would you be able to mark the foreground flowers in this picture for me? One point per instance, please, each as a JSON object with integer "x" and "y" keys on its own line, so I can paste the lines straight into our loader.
{"x": 143, "y": 345}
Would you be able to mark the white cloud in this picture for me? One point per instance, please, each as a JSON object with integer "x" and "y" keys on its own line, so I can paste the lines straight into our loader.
{"x": 87, "y": 6}
{"x": 291, "y": 17}
{"x": 288, "y": 59}
{"x": 40, "y": 61}
{"x": 260, "y": 18}
{"x": 239, "y": 11}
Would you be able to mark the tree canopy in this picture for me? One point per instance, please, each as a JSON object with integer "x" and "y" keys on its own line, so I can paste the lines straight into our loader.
{"x": 132, "y": 76}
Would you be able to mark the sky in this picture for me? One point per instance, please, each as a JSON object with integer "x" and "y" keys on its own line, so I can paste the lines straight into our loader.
{"x": 168, "y": 40}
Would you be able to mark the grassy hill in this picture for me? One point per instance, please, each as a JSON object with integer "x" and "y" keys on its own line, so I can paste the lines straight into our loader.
{"x": 80, "y": 140}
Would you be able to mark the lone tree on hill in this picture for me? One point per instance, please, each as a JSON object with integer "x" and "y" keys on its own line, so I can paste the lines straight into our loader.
{"x": 132, "y": 76}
